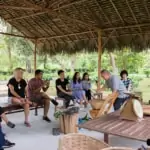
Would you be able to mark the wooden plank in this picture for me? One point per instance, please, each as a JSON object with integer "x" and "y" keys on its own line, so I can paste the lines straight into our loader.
{"x": 112, "y": 124}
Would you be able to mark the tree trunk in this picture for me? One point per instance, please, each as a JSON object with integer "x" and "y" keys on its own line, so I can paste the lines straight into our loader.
{"x": 112, "y": 62}
{"x": 73, "y": 63}
{"x": 28, "y": 66}
{"x": 9, "y": 45}
{"x": 45, "y": 61}
{"x": 9, "y": 56}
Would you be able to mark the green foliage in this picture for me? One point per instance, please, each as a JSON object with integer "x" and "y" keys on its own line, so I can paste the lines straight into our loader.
{"x": 136, "y": 80}
{"x": 147, "y": 73}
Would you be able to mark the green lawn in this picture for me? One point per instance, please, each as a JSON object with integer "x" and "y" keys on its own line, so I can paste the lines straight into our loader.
{"x": 144, "y": 87}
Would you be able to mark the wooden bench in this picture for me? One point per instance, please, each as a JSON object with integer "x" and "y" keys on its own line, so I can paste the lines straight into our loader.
{"x": 10, "y": 109}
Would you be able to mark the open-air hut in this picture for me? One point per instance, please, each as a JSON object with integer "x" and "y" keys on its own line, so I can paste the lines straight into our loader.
{"x": 71, "y": 25}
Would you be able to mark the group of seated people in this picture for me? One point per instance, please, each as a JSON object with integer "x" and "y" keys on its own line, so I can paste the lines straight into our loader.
{"x": 78, "y": 90}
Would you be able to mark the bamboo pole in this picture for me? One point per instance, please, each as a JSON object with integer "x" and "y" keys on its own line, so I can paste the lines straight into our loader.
{"x": 99, "y": 57}
{"x": 35, "y": 52}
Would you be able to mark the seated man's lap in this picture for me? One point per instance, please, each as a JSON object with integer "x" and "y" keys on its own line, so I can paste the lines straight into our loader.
{"x": 39, "y": 98}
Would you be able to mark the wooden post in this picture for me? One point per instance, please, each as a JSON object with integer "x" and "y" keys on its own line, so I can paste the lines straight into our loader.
{"x": 99, "y": 58}
{"x": 35, "y": 51}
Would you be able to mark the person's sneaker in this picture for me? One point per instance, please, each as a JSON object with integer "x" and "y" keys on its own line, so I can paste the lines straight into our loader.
{"x": 10, "y": 124}
{"x": 27, "y": 124}
{"x": 54, "y": 102}
{"x": 8, "y": 144}
{"x": 46, "y": 119}
{"x": 56, "y": 131}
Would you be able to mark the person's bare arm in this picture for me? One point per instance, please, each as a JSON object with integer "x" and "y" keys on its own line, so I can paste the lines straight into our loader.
{"x": 11, "y": 87}
{"x": 46, "y": 85}
{"x": 62, "y": 90}
{"x": 26, "y": 91}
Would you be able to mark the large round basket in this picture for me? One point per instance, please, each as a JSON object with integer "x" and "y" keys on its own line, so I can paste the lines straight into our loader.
{"x": 117, "y": 148}
{"x": 77, "y": 141}
{"x": 97, "y": 103}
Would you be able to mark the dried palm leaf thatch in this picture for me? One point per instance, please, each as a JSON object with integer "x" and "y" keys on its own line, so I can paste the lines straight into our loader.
{"x": 70, "y": 26}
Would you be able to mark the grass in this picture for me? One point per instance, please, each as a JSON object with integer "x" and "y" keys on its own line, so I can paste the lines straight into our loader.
{"x": 144, "y": 87}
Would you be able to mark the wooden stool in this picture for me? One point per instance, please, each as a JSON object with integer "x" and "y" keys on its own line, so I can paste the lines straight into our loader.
{"x": 68, "y": 123}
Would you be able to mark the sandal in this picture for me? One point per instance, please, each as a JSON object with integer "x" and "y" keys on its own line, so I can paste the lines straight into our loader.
{"x": 27, "y": 124}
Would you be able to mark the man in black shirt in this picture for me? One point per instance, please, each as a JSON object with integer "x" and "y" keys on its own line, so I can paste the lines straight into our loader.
{"x": 61, "y": 87}
{"x": 17, "y": 91}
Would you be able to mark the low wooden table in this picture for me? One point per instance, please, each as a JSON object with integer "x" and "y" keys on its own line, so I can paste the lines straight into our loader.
{"x": 111, "y": 124}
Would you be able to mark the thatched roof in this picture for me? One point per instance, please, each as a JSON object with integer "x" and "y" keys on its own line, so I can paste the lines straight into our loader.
{"x": 70, "y": 25}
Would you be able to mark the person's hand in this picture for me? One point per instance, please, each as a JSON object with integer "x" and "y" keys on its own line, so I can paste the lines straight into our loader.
{"x": 46, "y": 84}
{"x": 22, "y": 100}
{"x": 69, "y": 93}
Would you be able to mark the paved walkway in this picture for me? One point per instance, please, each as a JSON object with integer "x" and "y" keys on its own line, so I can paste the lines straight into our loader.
{"x": 39, "y": 136}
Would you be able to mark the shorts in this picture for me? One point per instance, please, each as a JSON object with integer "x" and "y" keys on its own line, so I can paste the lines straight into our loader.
{"x": 37, "y": 98}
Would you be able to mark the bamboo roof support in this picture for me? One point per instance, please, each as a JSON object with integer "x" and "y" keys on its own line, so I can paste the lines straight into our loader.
{"x": 133, "y": 15}
{"x": 146, "y": 8}
{"x": 46, "y": 10}
{"x": 60, "y": 36}
{"x": 35, "y": 53}
{"x": 99, "y": 58}
{"x": 107, "y": 18}
{"x": 103, "y": 45}
{"x": 27, "y": 16}
{"x": 16, "y": 35}
{"x": 70, "y": 4}
{"x": 116, "y": 10}
{"x": 18, "y": 7}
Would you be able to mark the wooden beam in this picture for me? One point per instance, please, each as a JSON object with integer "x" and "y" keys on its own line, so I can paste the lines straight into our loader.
{"x": 35, "y": 53}
{"x": 133, "y": 15}
{"x": 127, "y": 26}
{"x": 107, "y": 39}
{"x": 146, "y": 8}
{"x": 102, "y": 10}
{"x": 99, "y": 58}
{"x": 27, "y": 16}
{"x": 16, "y": 35}
{"x": 46, "y": 10}
{"x": 61, "y": 36}
{"x": 104, "y": 29}
{"x": 70, "y": 4}
{"x": 17, "y": 7}
{"x": 116, "y": 11}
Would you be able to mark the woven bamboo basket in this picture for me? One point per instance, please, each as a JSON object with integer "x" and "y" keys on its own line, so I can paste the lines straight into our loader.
{"x": 117, "y": 148}
{"x": 77, "y": 141}
{"x": 97, "y": 103}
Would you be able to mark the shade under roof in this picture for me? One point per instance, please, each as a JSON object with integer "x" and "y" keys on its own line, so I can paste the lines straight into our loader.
{"x": 71, "y": 25}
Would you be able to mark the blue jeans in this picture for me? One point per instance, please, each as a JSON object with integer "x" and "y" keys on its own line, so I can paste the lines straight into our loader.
{"x": 2, "y": 138}
{"x": 118, "y": 103}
